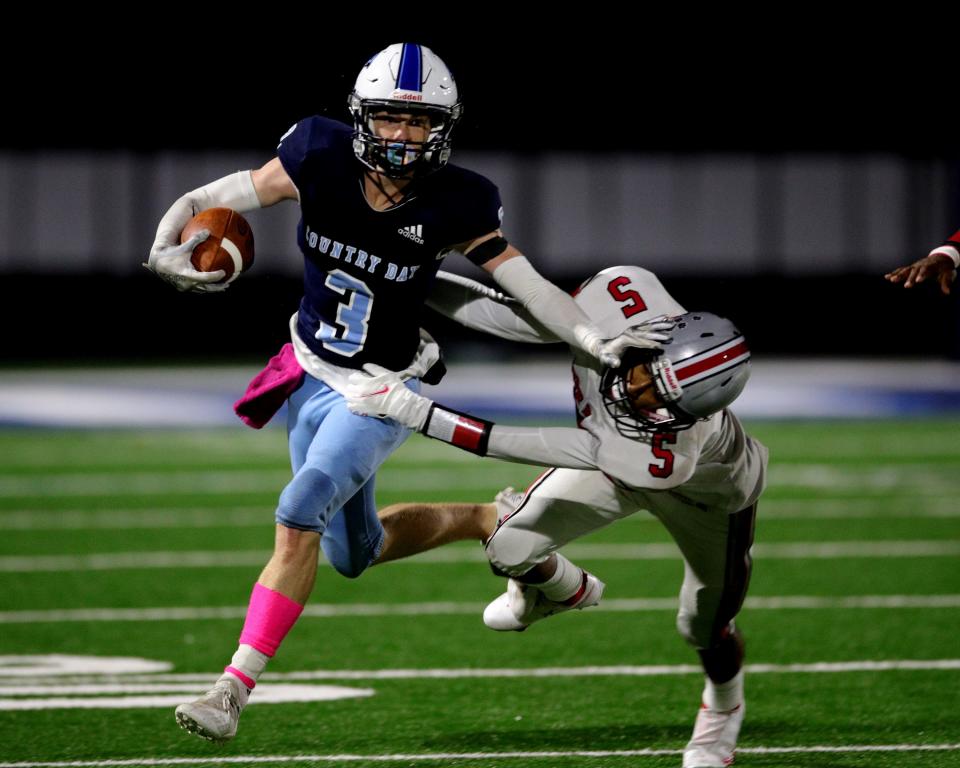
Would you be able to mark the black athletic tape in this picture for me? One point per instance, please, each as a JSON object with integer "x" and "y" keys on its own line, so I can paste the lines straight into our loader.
{"x": 459, "y": 429}
{"x": 488, "y": 249}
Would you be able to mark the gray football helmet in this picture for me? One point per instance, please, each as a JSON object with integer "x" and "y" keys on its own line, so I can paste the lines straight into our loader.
{"x": 700, "y": 371}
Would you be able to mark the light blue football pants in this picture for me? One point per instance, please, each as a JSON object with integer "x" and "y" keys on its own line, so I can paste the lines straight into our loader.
{"x": 335, "y": 455}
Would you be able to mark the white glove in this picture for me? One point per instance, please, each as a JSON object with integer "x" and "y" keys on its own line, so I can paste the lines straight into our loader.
{"x": 650, "y": 334}
{"x": 172, "y": 264}
{"x": 382, "y": 393}
{"x": 428, "y": 352}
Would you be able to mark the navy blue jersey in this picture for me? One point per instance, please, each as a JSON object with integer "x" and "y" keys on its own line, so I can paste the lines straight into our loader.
{"x": 367, "y": 273}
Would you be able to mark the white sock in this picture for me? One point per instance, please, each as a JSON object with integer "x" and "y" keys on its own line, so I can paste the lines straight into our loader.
{"x": 249, "y": 662}
{"x": 564, "y": 583}
{"x": 724, "y": 696}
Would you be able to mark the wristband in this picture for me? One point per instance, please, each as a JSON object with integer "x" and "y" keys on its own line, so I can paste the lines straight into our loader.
{"x": 459, "y": 429}
{"x": 951, "y": 251}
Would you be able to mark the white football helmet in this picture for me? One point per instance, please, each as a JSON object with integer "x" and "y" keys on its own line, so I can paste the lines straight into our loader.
{"x": 700, "y": 371}
{"x": 404, "y": 77}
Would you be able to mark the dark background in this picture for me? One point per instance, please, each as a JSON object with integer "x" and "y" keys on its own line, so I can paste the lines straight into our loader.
{"x": 611, "y": 83}
{"x": 629, "y": 84}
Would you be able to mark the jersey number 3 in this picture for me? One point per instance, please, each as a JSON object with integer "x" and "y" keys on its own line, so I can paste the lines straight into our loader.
{"x": 353, "y": 315}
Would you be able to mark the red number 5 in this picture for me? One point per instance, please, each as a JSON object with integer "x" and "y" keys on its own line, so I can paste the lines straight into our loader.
{"x": 665, "y": 455}
{"x": 615, "y": 289}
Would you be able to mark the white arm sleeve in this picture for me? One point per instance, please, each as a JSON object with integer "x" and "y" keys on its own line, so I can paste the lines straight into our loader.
{"x": 476, "y": 306}
{"x": 544, "y": 446}
{"x": 551, "y": 307}
{"x": 234, "y": 191}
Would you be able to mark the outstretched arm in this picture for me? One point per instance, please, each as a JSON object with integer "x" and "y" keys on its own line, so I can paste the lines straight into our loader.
{"x": 384, "y": 394}
{"x": 553, "y": 309}
{"x": 941, "y": 263}
{"x": 484, "y": 309}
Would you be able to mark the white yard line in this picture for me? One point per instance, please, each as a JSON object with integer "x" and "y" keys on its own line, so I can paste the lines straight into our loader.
{"x": 240, "y": 480}
{"x": 134, "y": 519}
{"x": 945, "y": 507}
{"x": 899, "y": 480}
{"x": 650, "y": 670}
{"x": 824, "y": 550}
{"x": 319, "y": 610}
{"x": 14, "y": 683}
{"x": 454, "y": 756}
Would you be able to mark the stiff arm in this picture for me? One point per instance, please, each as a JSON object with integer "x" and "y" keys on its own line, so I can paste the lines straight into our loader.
{"x": 484, "y": 309}
{"x": 476, "y": 306}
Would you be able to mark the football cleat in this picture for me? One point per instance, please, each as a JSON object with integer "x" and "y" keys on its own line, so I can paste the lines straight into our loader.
{"x": 214, "y": 715}
{"x": 523, "y": 604}
{"x": 714, "y": 738}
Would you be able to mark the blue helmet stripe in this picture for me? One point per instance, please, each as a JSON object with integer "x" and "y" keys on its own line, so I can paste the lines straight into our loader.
{"x": 409, "y": 76}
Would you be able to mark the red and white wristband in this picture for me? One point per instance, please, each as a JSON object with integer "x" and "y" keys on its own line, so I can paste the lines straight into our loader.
{"x": 950, "y": 248}
{"x": 459, "y": 429}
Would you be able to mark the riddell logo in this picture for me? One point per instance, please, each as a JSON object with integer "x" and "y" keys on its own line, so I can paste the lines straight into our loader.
{"x": 414, "y": 233}
{"x": 407, "y": 96}
{"x": 669, "y": 379}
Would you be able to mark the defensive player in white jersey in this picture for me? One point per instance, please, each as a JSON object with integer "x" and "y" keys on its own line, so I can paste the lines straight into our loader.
{"x": 658, "y": 430}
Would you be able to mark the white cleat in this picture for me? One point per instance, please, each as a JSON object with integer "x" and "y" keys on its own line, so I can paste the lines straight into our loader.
{"x": 214, "y": 715}
{"x": 523, "y": 604}
{"x": 714, "y": 738}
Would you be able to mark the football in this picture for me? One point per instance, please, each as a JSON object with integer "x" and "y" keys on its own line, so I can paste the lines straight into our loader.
{"x": 229, "y": 247}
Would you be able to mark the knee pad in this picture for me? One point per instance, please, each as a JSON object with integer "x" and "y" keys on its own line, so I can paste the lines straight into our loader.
{"x": 344, "y": 561}
{"x": 514, "y": 552}
{"x": 305, "y": 502}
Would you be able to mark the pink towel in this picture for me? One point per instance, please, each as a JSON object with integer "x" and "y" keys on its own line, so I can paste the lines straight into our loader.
{"x": 270, "y": 388}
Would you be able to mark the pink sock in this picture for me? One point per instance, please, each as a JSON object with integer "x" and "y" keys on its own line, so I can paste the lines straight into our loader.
{"x": 269, "y": 617}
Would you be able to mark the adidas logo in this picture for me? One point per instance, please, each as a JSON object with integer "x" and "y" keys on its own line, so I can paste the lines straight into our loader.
{"x": 414, "y": 232}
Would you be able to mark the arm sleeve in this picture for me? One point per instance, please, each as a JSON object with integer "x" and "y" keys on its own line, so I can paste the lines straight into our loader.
{"x": 544, "y": 446}
{"x": 553, "y": 309}
{"x": 483, "y": 309}
{"x": 540, "y": 446}
{"x": 234, "y": 191}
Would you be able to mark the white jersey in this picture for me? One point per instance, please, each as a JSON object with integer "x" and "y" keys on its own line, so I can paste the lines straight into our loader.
{"x": 714, "y": 463}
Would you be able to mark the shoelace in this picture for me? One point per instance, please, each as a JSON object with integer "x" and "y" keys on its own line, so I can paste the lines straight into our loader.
{"x": 223, "y": 696}
{"x": 230, "y": 702}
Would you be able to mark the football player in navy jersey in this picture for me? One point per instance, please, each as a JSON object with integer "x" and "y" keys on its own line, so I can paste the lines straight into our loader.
{"x": 381, "y": 207}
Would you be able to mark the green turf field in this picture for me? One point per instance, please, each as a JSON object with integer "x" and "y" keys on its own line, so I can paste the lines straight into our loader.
{"x": 144, "y": 545}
